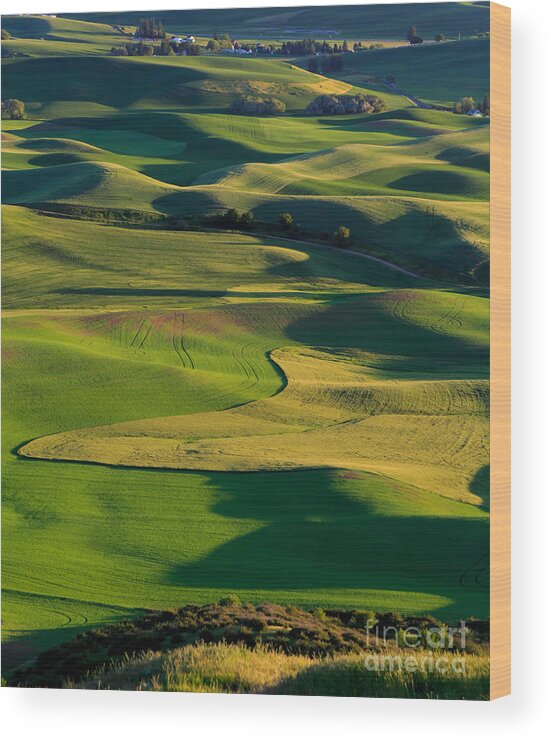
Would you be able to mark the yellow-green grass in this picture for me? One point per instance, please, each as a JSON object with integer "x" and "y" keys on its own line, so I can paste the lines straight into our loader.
{"x": 76, "y": 370}
{"x": 354, "y": 395}
{"x": 238, "y": 669}
{"x": 55, "y": 262}
{"x": 410, "y": 231}
{"x": 335, "y": 411}
{"x": 201, "y": 143}
{"x": 453, "y": 167}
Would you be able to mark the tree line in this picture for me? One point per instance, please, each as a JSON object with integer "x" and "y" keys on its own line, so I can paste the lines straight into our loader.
{"x": 164, "y": 49}
{"x": 245, "y": 220}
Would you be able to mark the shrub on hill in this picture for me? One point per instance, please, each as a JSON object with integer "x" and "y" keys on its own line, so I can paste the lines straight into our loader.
{"x": 286, "y": 221}
{"x": 342, "y": 236}
{"x": 13, "y": 109}
{"x": 344, "y": 104}
{"x": 250, "y": 105}
{"x": 192, "y": 50}
{"x": 233, "y": 218}
{"x": 287, "y": 630}
{"x": 217, "y": 44}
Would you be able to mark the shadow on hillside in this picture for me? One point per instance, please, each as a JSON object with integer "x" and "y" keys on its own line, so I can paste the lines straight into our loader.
{"x": 480, "y": 485}
{"x": 314, "y": 536}
{"x": 379, "y": 324}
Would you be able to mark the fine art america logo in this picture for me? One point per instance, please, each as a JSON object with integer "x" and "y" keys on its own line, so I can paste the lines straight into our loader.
{"x": 434, "y": 650}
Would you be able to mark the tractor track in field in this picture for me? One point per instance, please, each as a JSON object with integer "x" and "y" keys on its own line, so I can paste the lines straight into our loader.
{"x": 178, "y": 343}
{"x": 450, "y": 318}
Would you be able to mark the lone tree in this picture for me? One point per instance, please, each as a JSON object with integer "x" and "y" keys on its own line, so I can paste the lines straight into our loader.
{"x": 286, "y": 220}
{"x": 412, "y": 33}
{"x": 5, "y": 34}
{"x": 345, "y": 46}
{"x": 485, "y": 106}
{"x": 247, "y": 219}
{"x": 464, "y": 105}
{"x": 439, "y": 37}
{"x": 13, "y": 109}
{"x": 342, "y": 236}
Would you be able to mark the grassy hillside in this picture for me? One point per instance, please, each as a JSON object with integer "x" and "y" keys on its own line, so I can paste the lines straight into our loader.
{"x": 436, "y": 73}
{"x": 165, "y": 83}
{"x": 195, "y": 406}
{"x": 375, "y": 21}
{"x": 49, "y": 36}
{"x": 53, "y": 262}
{"x": 411, "y": 184}
{"x": 238, "y": 669}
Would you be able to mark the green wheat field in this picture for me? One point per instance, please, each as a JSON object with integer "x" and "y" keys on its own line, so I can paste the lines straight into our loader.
{"x": 196, "y": 404}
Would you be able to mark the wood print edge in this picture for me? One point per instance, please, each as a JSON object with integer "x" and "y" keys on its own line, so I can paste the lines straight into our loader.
{"x": 500, "y": 524}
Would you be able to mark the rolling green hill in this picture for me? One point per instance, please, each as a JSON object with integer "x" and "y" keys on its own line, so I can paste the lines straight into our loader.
{"x": 435, "y": 73}
{"x": 55, "y": 36}
{"x": 375, "y": 21}
{"x": 153, "y": 83}
{"x": 192, "y": 408}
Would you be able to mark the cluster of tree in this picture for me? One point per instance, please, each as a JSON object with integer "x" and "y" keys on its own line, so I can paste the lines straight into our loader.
{"x": 358, "y": 46}
{"x": 329, "y": 63}
{"x": 5, "y": 34}
{"x": 150, "y": 28}
{"x": 133, "y": 50}
{"x": 13, "y": 108}
{"x": 467, "y": 104}
{"x": 343, "y": 104}
{"x": 307, "y": 47}
{"x": 164, "y": 49}
{"x": 413, "y": 37}
{"x": 235, "y": 218}
{"x": 217, "y": 43}
{"x": 168, "y": 48}
{"x": 252, "y": 105}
